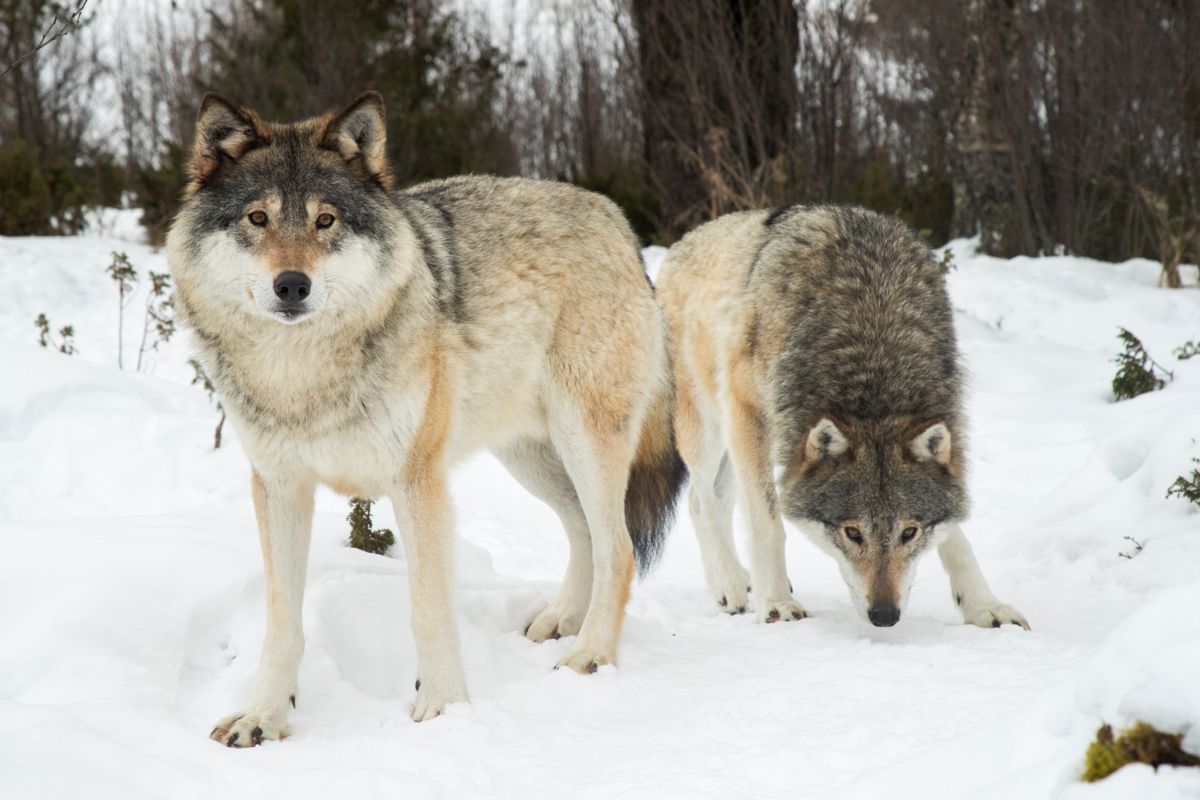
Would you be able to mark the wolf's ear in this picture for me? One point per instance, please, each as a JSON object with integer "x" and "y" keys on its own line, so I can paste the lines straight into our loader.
{"x": 932, "y": 444}
{"x": 224, "y": 133}
{"x": 359, "y": 135}
{"x": 825, "y": 440}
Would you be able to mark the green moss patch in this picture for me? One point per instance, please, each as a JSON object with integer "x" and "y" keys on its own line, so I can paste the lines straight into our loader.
{"x": 1141, "y": 744}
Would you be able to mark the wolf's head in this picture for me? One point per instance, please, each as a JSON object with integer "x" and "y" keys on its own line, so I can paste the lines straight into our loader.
{"x": 285, "y": 223}
{"x": 880, "y": 489}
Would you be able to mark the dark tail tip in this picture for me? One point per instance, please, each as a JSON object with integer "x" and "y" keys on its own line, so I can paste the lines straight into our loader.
{"x": 650, "y": 498}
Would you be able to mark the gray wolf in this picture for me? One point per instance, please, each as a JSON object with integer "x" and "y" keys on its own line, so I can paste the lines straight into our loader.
{"x": 367, "y": 340}
{"x": 819, "y": 342}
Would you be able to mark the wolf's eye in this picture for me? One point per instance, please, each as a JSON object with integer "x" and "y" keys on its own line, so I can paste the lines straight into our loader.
{"x": 258, "y": 218}
{"x": 325, "y": 220}
{"x": 853, "y": 534}
{"x": 908, "y": 534}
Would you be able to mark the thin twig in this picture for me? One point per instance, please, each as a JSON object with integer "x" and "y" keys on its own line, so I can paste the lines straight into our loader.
{"x": 50, "y": 36}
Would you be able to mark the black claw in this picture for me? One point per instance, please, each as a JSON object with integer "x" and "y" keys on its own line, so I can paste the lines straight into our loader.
{"x": 232, "y": 740}
{"x": 527, "y": 627}
{"x": 797, "y": 615}
{"x": 747, "y": 590}
{"x": 256, "y": 736}
{"x": 773, "y": 616}
{"x": 592, "y": 667}
{"x": 724, "y": 602}
{"x": 293, "y": 699}
{"x": 958, "y": 599}
{"x": 740, "y": 610}
{"x": 418, "y": 686}
{"x": 995, "y": 623}
{"x": 790, "y": 589}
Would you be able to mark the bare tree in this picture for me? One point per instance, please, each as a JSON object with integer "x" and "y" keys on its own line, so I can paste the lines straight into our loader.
{"x": 719, "y": 102}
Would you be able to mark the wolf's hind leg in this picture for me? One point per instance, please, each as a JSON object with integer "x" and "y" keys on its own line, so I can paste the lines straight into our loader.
{"x": 537, "y": 467}
{"x": 598, "y": 463}
{"x": 773, "y": 601}
{"x": 710, "y": 496}
{"x": 710, "y": 503}
{"x": 284, "y": 509}
{"x": 969, "y": 588}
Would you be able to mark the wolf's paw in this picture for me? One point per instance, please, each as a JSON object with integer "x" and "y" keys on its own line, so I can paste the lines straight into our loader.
{"x": 585, "y": 660}
{"x": 249, "y": 728}
{"x": 993, "y": 615}
{"x": 433, "y": 697}
{"x": 552, "y": 623}
{"x": 731, "y": 587}
{"x": 781, "y": 611}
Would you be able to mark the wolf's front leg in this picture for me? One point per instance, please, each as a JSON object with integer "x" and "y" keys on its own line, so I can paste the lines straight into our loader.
{"x": 284, "y": 509}
{"x": 970, "y": 590}
{"x": 425, "y": 517}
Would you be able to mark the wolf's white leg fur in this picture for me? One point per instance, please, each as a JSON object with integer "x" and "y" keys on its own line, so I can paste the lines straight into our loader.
{"x": 598, "y": 464}
{"x": 701, "y": 443}
{"x": 773, "y": 601}
{"x": 710, "y": 503}
{"x": 539, "y": 469}
{"x": 968, "y": 586}
{"x": 284, "y": 508}
{"x": 425, "y": 517}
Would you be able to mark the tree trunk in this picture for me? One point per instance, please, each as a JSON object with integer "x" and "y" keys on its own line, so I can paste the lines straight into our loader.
{"x": 985, "y": 200}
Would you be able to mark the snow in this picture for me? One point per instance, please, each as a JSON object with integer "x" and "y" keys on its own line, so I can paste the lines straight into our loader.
{"x": 131, "y": 590}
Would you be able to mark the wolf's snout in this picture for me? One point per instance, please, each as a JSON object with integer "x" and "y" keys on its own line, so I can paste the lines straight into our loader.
{"x": 883, "y": 616}
{"x": 292, "y": 287}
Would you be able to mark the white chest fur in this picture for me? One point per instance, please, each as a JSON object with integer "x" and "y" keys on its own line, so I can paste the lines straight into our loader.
{"x": 363, "y": 458}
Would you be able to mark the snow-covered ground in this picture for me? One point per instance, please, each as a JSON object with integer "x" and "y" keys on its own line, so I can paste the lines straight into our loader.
{"x": 131, "y": 609}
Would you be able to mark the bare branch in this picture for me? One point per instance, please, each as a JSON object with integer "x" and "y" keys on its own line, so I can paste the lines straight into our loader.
{"x": 58, "y": 28}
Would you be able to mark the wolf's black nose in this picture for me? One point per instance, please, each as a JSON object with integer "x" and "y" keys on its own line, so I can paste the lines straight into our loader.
{"x": 292, "y": 286}
{"x": 884, "y": 616}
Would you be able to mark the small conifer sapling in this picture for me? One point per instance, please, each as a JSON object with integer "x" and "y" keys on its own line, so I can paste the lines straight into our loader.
{"x": 362, "y": 535}
{"x": 1137, "y": 372}
{"x": 1187, "y": 487}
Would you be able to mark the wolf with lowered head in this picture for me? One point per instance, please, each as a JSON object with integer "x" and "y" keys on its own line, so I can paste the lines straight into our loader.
{"x": 816, "y": 370}
{"x": 367, "y": 340}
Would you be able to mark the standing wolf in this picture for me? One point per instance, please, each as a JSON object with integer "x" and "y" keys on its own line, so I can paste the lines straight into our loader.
{"x": 819, "y": 341}
{"x": 367, "y": 341}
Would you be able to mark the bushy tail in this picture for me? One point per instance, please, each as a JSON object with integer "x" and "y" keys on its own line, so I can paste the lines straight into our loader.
{"x": 655, "y": 479}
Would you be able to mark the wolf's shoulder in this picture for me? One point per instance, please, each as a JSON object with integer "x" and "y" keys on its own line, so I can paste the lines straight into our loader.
{"x": 844, "y": 241}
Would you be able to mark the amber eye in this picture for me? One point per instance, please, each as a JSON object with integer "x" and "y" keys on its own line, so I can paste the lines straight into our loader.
{"x": 908, "y": 534}
{"x": 853, "y": 534}
{"x": 258, "y": 218}
{"x": 325, "y": 220}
